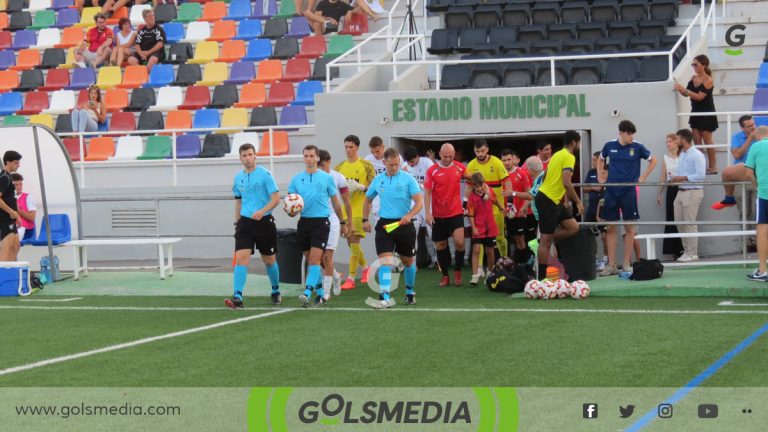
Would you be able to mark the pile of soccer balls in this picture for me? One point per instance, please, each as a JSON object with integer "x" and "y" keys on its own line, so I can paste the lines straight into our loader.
{"x": 547, "y": 289}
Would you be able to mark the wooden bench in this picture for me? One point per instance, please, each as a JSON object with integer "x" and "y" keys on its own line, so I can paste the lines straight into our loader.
{"x": 164, "y": 249}
{"x": 650, "y": 243}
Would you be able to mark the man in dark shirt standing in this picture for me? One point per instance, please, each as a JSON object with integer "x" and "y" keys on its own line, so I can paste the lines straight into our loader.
{"x": 150, "y": 43}
{"x": 9, "y": 237}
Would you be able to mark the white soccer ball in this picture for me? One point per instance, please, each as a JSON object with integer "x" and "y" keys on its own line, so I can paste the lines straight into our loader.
{"x": 532, "y": 289}
{"x": 563, "y": 288}
{"x": 293, "y": 204}
{"x": 579, "y": 290}
{"x": 549, "y": 290}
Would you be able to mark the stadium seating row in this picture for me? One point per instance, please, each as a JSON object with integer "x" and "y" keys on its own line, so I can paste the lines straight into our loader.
{"x": 187, "y": 146}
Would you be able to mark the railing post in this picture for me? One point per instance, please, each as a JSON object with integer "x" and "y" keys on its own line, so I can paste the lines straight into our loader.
{"x": 437, "y": 76}
{"x": 173, "y": 158}
{"x": 552, "y": 71}
{"x": 728, "y": 131}
{"x": 744, "y": 208}
{"x": 81, "y": 143}
{"x": 271, "y": 144}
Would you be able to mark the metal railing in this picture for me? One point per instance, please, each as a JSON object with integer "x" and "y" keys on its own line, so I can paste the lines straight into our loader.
{"x": 729, "y": 115}
{"x": 174, "y": 133}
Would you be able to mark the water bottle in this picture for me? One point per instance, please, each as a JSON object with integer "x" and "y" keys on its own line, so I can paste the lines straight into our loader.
{"x": 45, "y": 267}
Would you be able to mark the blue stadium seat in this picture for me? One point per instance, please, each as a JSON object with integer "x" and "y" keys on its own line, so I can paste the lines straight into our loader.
{"x": 258, "y": 49}
{"x": 81, "y": 78}
{"x": 61, "y": 231}
{"x": 59, "y": 5}
{"x": 293, "y": 115}
{"x": 760, "y": 101}
{"x": 29, "y": 235}
{"x": 242, "y": 72}
{"x": 299, "y": 27}
{"x": 187, "y": 146}
{"x": 762, "y": 76}
{"x": 305, "y": 93}
{"x": 161, "y": 75}
{"x": 174, "y": 32}
{"x": 67, "y": 18}
{"x": 248, "y": 29}
{"x": 10, "y": 103}
{"x": 206, "y": 119}
{"x": 7, "y": 59}
{"x": 239, "y": 10}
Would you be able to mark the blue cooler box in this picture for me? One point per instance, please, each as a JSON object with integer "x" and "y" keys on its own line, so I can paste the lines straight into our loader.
{"x": 14, "y": 279}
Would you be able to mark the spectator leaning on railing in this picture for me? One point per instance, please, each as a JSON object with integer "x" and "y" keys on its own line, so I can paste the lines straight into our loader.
{"x": 740, "y": 145}
{"x": 690, "y": 168}
{"x": 757, "y": 162}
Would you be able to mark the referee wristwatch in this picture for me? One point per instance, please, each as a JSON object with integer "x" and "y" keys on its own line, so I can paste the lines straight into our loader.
{"x": 365, "y": 220}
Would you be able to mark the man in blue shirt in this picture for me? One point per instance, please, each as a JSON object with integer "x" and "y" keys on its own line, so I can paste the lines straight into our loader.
{"x": 757, "y": 162}
{"x": 740, "y": 145}
{"x": 692, "y": 167}
{"x": 396, "y": 190}
{"x": 623, "y": 156}
{"x": 316, "y": 187}
{"x": 256, "y": 194}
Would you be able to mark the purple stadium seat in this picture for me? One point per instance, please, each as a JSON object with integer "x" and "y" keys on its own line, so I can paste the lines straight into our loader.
{"x": 299, "y": 27}
{"x": 58, "y": 5}
{"x": 242, "y": 72}
{"x": 187, "y": 146}
{"x": 7, "y": 59}
{"x": 24, "y": 39}
{"x": 67, "y": 18}
{"x": 760, "y": 102}
{"x": 264, "y": 9}
{"x": 82, "y": 78}
{"x": 293, "y": 115}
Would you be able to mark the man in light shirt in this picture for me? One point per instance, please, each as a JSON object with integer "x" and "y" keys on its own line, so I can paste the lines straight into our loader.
{"x": 691, "y": 168}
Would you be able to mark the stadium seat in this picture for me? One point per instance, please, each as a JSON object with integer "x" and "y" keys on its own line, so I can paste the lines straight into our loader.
{"x": 52, "y": 58}
{"x": 27, "y": 59}
{"x": 269, "y": 71}
{"x": 455, "y": 77}
{"x": 3, "y": 20}
{"x": 48, "y": 38}
{"x": 586, "y": 72}
{"x": 205, "y": 52}
{"x": 545, "y": 13}
{"x": 70, "y": 37}
{"x": 633, "y": 10}
{"x": 277, "y": 142}
{"x": 9, "y": 80}
{"x": 547, "y": 47}
{"x": 264, "y": 9}
{"x": 214, "y": 74}
{"x": 63, "y": 123}
{"x": 215, "y": 146}
{"x": 10, "y": 103}
{"x": 285, "y": 48}
{"x": 196, "y": 97}
{"x": 165, "y": 13}
{"x": 214, "y": 11}
{"x": 59, "y": 5}
{"x": 544, "y": 75}
{"x": 604, "y": 11}
{"x": 485, "y": 16}
{"x": 206, "y": 119}
{"x": 180, "y": 119}
{"x": 515, "y": 14}
{"x": 312, "y": 47}
{"x": 122, "y": 121}
{"x": 24, "y": 39}
{"x": 116, "y": 100}
{"x": 239, "y": 10}
{"x": 62, "y": 102}
{"x": 286, "y": 9}
{"x": 34, "y": 103}
{"x": 61, "y": 231}
{"x": 161, "y": 75}
{"x": 248, "y": 29}
{"x": 579, "y": 46}
{"x": 592, "y": 31}
{"x": 760, "y": 100}
{"x": 223, "y": 31}
{"x": 224, "y": 96}
{"x": 241, "y": 138}
{"x": 487, "y": 75}
{"x": 762, "y": 76}
{"x": 69, "y": 18}
{"x": 654, "y": 28}
{"x": 241, "y": 72}
{"x": 258, "y": 49}
{"x": 621, "y": 70}
{"x": 30, "y": 80}
{"x": 6, "y": 40}
{"x": 135, "y": 76}
{"x": 297, "y": 70}
{"x": 518, "y": 75}
{"x": 19, "y": 21}
{"x": 100, "y": 149}
{"x": 73, "y": 148}
{"x": 280, "y": 94}
{"x": 86, "y": 17}
{"x": 305, "y": 93}
{"x": 187, "y": 75}
{"x": 472, "y": 37}
{"x": 136, "y": 10}
{"x": 338, "y": 45}
{"x": 197, "y": 31}
{"x": 438, "y": 5}
{"x": 663, "y": 10}
{"x": 643, "y": 43}
{"x": 158, "y": 147}
{"x": 82, "y": 97}
{"x": 14, "y": 5}
{"x": 574, "y": 12}
{"x": 622, "y": 29}
{"x": 293, "y": 115}
{"x": 653, "y": 69}
{"x": 187, "y": 146}
{"x": 263, "y": 116}
{"x": 142, "y": 99}
{"x": 611, "y": 44}
{"x": 14, "y": 120}
{"x": 458, "y": 17}
{"x": 443, "y": 41}
{"x": 174, "y": 31}
{"x": 128, "y": 148}
{"x": 109, "y": 77}
{"x": 179, "y": 53}
{"x": 151, "y": 121}
{"x": 275, "y": 28}
{"x": 43, "y": 19}
{"x": 42, "y": 119}
{"x": 300, "y": 27}
{"x": 189, "y": 12}
{"x": 232, "y": 51}
{"x": 7, "y": 59}
{"x": 168, "y": 98}
{"x": 236, "y": 118}
{"x": 319, "y": 69}
{"x": 252, "y": 95}
{"x": 532, "y": 33}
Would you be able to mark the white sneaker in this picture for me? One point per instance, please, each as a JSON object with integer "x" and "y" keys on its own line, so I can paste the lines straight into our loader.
{"x": 336, "y": 283}
{"x": 383, "y": 304}
{"x": 475, "y": 278}
{"x": 600, "y": 265}
{"x": 684, "y": 258}
{"x": 81, "y": 64}
{"x": 326, "y": 296}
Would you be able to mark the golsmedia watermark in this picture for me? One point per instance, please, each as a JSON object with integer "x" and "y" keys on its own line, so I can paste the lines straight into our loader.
{"x": 393, "y": 277}
{"x": 735, "y": 38}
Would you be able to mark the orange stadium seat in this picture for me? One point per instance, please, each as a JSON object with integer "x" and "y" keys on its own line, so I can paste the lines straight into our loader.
{"x": 214, "y": 11}
{"x": 280, "y": 145}
{"x": 70, "y": 37}
{"x": 116, "y": 100}
{"x": 135, "y": 76}
{"x": 269, "y": 71}
{"x": 9, "y": 80}
{"x": 100, "y": 149}
{"x": 27, "y": 59}
{"x": 180, "y": 119}
{"x": 252, "y": 95}
{"x": 232, "y": 51}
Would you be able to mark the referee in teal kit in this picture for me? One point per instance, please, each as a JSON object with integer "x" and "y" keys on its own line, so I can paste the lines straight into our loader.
{"x": 396, "y": 191}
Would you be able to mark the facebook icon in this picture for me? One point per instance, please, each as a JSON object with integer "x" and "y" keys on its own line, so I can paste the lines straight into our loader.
{"x": 589, "y": 410}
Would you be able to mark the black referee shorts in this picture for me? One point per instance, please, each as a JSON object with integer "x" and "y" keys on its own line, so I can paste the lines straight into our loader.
{"x": 402, "y": 240}
{"x": 261, "y": 234}
{"x": 313, "y": 233}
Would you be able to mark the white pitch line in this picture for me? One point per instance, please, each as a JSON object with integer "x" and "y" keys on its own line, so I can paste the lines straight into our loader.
{"x": 110, "y": 348}
{"x": 400, "y": 309}
{"x": 52, "y": 300}
{"x": 732, "y": 303}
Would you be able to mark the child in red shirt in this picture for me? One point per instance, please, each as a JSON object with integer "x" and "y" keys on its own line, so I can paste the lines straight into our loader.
{"x": 484, "y": 230}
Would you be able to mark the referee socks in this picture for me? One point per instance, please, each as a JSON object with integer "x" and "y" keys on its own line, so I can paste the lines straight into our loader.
{"x": 385, "y": 281}
{"x": 238, "y": 282}
{"x": 273, "y": 272}
{"x": 410, "y": 278}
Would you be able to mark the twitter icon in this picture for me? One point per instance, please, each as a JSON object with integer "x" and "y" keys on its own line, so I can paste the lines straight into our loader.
{"x": 626, "y": 412}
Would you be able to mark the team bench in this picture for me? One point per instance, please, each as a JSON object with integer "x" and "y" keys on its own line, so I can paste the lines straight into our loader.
{"x": 164, "y": 250}
{"x": 650, "y": 244}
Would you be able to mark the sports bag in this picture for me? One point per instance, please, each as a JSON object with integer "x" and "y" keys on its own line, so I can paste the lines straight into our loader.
{"x": 647, "y": 269}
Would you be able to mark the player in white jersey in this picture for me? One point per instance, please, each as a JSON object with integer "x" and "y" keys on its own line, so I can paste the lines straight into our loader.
{"x": 331, "y": 278}
{"x": 417, "y": 167}
{"x": 376, "y": 158}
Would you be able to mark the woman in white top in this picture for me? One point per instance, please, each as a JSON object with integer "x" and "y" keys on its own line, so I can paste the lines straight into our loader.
{"x": 125, "y": 38}
{"x": 671, "y": 246}
{"x": 90, "y": 113}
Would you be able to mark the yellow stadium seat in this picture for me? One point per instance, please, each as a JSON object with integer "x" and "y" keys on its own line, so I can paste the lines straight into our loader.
{"x": 205, "y": 52}
{"x": 86, "y": 18}
{"x": 214, "y": 74}
{"x": 234, "y": 117}
{"x": 71, "y": 60}
{"x": 42, "y": 119}
{"x": 109, "y": 77}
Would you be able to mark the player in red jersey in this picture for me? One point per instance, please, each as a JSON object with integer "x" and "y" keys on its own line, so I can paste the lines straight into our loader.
{"x": 516, "y": 210}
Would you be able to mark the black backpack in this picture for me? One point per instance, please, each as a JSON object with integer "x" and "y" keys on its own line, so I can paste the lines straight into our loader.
{"x": 508, "y": 281}
{"x": 647, "y": 269}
